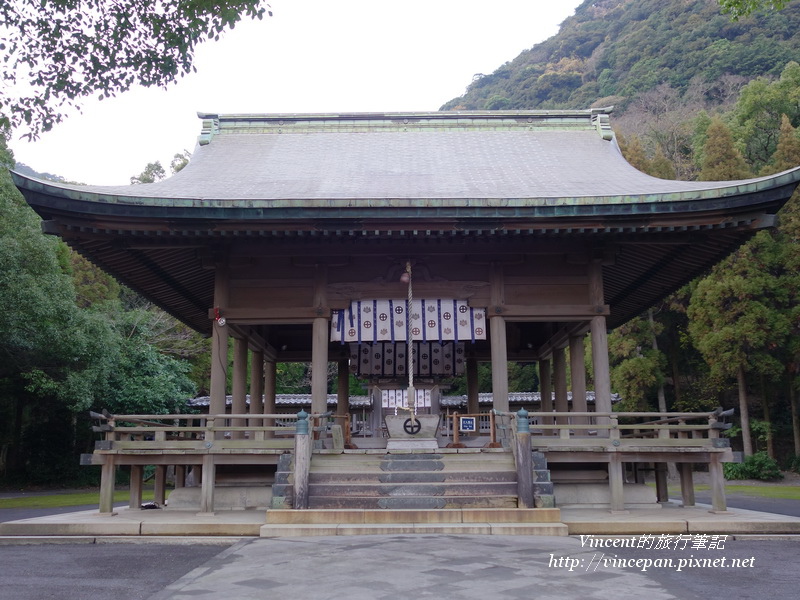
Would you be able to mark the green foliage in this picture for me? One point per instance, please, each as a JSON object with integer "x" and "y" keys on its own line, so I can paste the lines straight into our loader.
{"x": 738, "y": 314}
{"x": 761, "y": 430}
{"x": 637, "y": 369}
{"x": 757, "y": 466}
{"x": 760, "y": 110}
{"x": 179, "y": 161}
{"x": 152, "y": 172}
{"x": 787, "y": 150}
{"x": 722, "y": 161}
{"x": 743, "y": 8}
{"x": 71, "y": 339}
{"x": 293, "y": 378}
{"x": 58, "y": 52}
{"x": 794, "y": 464}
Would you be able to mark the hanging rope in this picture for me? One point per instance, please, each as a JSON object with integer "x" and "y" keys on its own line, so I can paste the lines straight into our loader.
{"x": 411, "y": 401}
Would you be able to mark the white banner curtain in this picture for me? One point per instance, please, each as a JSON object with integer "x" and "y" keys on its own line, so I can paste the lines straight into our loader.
{"x": 431, "y": 320}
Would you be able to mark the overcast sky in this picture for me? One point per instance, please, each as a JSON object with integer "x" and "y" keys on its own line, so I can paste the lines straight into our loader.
{"x": 311, "y": 56}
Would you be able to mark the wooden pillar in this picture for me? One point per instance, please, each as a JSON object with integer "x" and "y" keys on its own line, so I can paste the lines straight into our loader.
{"x": 343, "y": 389}
{"x": 107, "y": 480}
{"x": 180, "y": 476}
{"x": 319, "y": 346}
{"x": 219, "y": 345}
{"x": 687, "y": 483}
{"x": 270, "y": 386}
{"x": 499, "y": 344}
{"x": 662, "y": 493}
{"x": 546, "y": 386}
{"x": 602, "y": 371}
{"x": 160, "y": 485}
{"x": 135, "y": 501}
{"x": 239, "y": 392}
{"x": 257, "y": 384}
{"x": 319, "y": 366}
{"x": 473, "y": 403}
{"x": 577, "y": 372}
{"x": 499, "y": 363}
{"x": 560, "y": 382}
{"x": 207, "y": 486}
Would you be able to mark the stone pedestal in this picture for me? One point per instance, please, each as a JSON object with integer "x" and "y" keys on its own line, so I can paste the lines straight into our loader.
{"x": 407, "y": 432}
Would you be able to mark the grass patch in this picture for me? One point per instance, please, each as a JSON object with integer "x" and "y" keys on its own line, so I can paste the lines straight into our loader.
{"x": 787, "y": 492}
{"x": 69, "y": 499}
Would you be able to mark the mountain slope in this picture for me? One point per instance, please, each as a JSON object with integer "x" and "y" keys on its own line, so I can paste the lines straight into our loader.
{"x": 610, "y": 51}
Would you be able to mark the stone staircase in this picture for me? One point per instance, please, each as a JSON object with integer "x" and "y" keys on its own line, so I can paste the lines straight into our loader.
{"x": 445, "y": 491}
{"x": 413, "y": 481}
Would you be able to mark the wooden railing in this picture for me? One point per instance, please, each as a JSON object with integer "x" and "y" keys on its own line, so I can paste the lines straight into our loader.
{"x": 211, "y": 432}
{"x": 194, "y": 432}
{"x": 623, "y": 429}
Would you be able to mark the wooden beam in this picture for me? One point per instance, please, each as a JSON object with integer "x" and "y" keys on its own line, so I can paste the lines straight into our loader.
{"x": 277, "y": 314}
{"x": 534, "y": 312}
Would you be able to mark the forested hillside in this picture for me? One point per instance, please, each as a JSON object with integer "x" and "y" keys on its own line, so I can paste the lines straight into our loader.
{"x": 612, "y": 51}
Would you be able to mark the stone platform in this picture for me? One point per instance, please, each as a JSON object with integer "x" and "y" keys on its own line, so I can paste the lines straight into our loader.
{"x": 163, "y": 524}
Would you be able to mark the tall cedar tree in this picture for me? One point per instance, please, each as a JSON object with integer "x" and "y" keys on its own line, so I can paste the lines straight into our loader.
{"x": 722, "y": 160}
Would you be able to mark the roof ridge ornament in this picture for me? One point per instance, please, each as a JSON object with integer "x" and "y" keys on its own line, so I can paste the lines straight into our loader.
{"x": 602, "y": 123}
{"x": 209, "y": 129}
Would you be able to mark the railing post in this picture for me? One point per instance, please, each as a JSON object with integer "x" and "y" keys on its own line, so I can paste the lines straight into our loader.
{"x": 524, "y": 460}
{"x": 613, "y": 428}
{"x": 348, "y": 440}
{"x": 302, "y": 460}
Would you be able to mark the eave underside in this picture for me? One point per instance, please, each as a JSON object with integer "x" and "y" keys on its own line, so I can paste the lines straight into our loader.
{"x": 639, "y": 269}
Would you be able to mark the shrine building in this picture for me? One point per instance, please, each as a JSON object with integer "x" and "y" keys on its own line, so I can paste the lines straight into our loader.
{"x": 423, "y": 242}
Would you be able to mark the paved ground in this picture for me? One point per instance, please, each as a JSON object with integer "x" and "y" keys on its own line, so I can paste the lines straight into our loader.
{"x": 97, "y": 571}
{"x": 780, "y": 506}
{"x": 14, "y": 514}
{"x": 390, "y": 567}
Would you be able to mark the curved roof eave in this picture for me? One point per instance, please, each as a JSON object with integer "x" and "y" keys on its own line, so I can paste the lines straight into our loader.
{"x": 77, "y": 200}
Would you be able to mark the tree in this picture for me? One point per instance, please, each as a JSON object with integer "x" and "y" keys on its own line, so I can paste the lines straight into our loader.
{"x": 55, "y": 53}
{"x": 721, "y": 159}
{"x": 759, "y": 111}
{"x": 744, "y": 8}
{"x": 739, "y": 318}
{"x": 152, "y": 172}
{"x": 637, "y": 366}
{"x": 179, "y": 161}
{"x": 787, "y": 151}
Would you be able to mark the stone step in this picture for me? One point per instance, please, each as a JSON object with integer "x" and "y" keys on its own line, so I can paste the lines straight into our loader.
{"x": 410, "y": 476}
{"x": 543, "y": 529}
{"x": 411, "y": 502}
{"x": 477, "y": 459}
{"x": 377, "y": 469}
{"x": 412, "y": 465}
{"x": 355, "y": 455}
{"x": 452, "y": 515}
{"x": 384, "y": 490}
